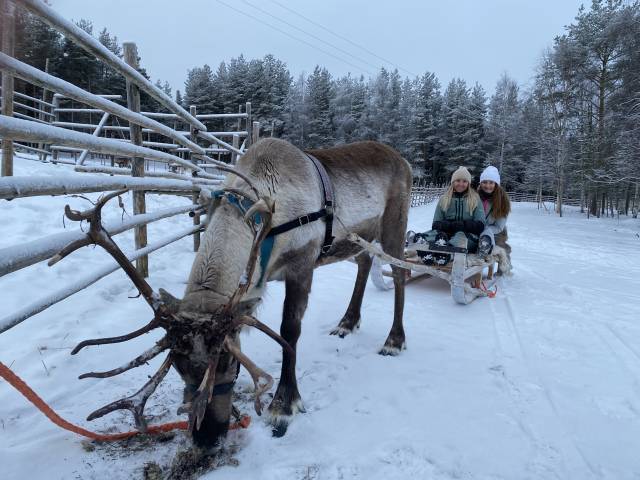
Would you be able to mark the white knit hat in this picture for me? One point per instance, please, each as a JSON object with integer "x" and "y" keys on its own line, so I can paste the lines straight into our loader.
{"x": 461, "y": 174}
{"x": 490, "y": 173}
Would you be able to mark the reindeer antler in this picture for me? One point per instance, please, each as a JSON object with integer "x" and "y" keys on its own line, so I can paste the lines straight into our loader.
{"x": 162, "y": 315}
{"x": 265, "y": 207}
{"x": 136, "y": 402}
{"x": 256, "y": 373}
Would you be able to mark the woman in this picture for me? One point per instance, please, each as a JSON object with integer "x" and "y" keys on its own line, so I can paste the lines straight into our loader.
{"x": 496, "y": 206}
{"x": 458, "y": 219}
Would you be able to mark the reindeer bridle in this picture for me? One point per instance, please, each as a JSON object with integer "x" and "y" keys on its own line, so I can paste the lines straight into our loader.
{"x": 219, "y": 325}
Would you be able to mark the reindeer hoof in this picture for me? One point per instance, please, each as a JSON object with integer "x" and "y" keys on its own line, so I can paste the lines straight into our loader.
{"x": 341, "y": 332}
{"x": 279, "y": 429}
{"x": 391, "y": 350}
{"x": 346, "y": 326}
{"x": 280, "y": 417}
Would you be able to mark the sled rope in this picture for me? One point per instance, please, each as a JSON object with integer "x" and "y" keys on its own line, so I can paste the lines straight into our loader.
{"x": 26, "y": 391}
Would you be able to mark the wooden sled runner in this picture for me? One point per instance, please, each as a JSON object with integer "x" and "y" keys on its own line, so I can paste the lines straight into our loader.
{"x": 464, "y": 273}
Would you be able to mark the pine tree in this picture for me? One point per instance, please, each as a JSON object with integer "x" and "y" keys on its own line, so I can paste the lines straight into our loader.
{"x": 296, "y": 121}
{"x": 455, "y": 126}
{"x": 504, "y": 112}
{"x": 318, "y": 100}
{"x": 428, "y": 142}
{"x": 198, "y": 89}
{"x": 475, "y": 135}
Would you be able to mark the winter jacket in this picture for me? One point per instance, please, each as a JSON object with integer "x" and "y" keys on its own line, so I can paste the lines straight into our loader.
{"x": 457, "y": 217}
{"x": 494, "y": 226}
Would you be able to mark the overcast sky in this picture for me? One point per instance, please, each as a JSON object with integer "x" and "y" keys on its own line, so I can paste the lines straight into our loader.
{"x": 476, "y": 40}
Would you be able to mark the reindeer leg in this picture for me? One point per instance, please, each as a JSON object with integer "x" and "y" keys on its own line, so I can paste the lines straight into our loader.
{"x": 351, "y": 319}
{"x": 394, "y": 225}
{"x": 286, "y": 401}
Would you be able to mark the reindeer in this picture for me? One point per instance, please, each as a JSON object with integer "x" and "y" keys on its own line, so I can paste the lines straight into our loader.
{"x": 280, "y": 214}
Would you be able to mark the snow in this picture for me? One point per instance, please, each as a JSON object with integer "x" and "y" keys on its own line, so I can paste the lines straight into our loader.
{"x": 541, "y": 382}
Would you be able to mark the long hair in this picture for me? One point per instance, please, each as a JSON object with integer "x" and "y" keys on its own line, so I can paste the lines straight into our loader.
{"x": 500, "y": 200}
{"x": 472, "y": 199}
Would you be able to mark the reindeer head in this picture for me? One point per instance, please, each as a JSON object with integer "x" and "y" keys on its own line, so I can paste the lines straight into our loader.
{"x": 203, "y": 343}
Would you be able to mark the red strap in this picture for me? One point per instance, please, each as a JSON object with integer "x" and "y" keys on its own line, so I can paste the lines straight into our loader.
{"x": 17, "y": 383}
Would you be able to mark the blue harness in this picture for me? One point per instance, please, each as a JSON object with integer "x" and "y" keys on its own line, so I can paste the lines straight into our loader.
{"x": 266, "y": 248}
{"x": 244, "y": 204}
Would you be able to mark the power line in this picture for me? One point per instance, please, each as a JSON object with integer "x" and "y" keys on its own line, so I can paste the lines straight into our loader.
{"x": 375, "y": 67}
{"x": 295, "y": 38}
{"x": 343, "y": 38}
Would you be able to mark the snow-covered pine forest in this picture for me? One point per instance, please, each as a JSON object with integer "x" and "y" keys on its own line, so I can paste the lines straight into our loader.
{"x": 573, "y": 132}
{"x": 538, "y": 383}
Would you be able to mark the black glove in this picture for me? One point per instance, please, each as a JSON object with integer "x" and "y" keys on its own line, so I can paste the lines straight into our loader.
{"x": 473, "y": 226}
{"x": 456, "y": 226}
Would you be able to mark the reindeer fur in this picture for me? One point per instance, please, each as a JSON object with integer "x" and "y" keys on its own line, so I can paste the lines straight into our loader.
{"x": 372, "y": 186}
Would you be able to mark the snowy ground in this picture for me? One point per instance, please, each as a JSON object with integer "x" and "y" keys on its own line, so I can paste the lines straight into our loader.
{"x": 541, "y": 382}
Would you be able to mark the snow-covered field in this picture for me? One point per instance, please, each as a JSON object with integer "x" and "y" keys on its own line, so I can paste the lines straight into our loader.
{"x": 541, "y": 382}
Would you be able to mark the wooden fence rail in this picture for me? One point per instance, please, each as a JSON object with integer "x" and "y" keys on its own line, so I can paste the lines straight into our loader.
{"x": 94, "y": 47}
{"x": 423, "y": 195}
{"x": 26, "y": 254}
{"x": 45, "y": 129}
{"x": 46, "y": 301}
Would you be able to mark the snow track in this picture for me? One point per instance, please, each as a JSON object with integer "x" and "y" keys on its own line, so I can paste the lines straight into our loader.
{"x": 540, "y": 383}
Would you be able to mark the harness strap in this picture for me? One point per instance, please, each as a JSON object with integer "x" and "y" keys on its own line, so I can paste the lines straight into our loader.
{"x": 329, "y": 203}
{"x": 297, "y": 222}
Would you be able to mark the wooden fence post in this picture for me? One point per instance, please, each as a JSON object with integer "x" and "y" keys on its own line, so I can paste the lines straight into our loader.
{"x": 235, "y": 144}
{"x": 194, "y": 159}
{"x": 7, "y": 9}
{"x": 255, "y": 132}
{"x": 137, "y": 168}
{"x": 55, "y": 101}
{"x": 42, "y": 115}
{"x": 249, "y": 124}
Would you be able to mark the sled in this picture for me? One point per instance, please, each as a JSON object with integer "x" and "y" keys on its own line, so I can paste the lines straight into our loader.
{"x": 464, "y": 273}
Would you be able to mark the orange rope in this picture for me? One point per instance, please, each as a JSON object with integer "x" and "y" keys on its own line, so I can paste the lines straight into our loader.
{"x": 17, "y": 383}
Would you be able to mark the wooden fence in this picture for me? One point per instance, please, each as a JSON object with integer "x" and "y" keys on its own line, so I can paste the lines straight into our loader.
{"x": 38, "y": 126}
{"x": 425, "y": 194}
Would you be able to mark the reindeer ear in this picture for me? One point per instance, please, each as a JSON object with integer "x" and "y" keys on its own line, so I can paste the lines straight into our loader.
{"x": 247, "y": 307}
{"x": 172, "y": 303}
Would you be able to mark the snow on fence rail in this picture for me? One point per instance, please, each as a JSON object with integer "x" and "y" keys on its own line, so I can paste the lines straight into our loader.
{"x": 20, "y": 187}
{"x": 44, "y": 128}
{"x": 46, "y": 301}
{"x": 30, "y": 74}
{"x": 94, "y": 47}
{"x": 28, "y": 131}
{"x": 26, "y": 254}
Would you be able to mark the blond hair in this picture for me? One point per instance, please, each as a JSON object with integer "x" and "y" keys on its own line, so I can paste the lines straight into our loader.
{"x": 473, "y": 200}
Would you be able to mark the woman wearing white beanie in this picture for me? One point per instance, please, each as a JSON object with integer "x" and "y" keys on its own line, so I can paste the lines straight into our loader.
{"x": 496, "y": 207}
{"x": 458, "y": 219}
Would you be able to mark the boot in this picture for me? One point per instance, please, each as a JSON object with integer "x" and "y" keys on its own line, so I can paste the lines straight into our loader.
{"x": 427, "y": 257}
{"x": 440, "y": 258}
{"x": 484, "y": 246}
{"x": 409, "y": 238}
